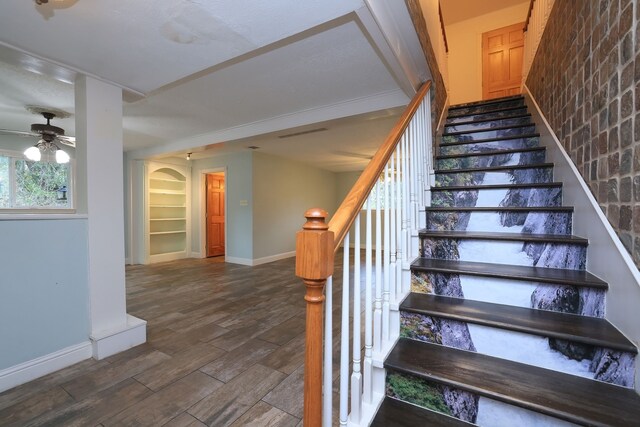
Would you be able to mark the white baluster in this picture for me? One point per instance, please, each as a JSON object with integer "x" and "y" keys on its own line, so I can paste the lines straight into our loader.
{"x": 399, "y": 231}
{"x": 368, "y": 313}
{"x": 356, "y": 376}
{"x": 394, "y": 231}
{"x": 430, "y": 165}
{"x": 327, "y": 403}
{"x": 344, "y": 339}
{"x": 405, "y": 199}
{"x": 377, "y": 310}
{"x": 413, "y": 159}
{"x": 386, "y": 261}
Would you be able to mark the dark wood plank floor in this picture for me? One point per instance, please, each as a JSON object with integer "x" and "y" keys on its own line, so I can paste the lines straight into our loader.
{"x": 225, "y": 348}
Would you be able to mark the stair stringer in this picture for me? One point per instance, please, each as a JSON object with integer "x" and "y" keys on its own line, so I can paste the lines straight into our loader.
{"x": 607, "y": 258}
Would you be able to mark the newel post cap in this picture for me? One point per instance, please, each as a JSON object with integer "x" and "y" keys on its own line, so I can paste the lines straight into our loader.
{"x": 314, "y": 247}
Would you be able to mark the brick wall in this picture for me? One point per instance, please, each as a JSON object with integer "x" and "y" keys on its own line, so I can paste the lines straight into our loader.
{"x": 586, "y": 79}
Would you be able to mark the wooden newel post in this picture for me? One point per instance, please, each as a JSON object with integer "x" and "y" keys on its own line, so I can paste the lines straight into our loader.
{"x": 314, "y": 264}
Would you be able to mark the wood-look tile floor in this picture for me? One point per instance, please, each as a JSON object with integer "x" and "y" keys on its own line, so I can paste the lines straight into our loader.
{"x": 225, "y": 347}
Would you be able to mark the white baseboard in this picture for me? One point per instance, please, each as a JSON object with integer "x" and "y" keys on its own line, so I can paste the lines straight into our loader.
{"x": 607, "y": 258}
{"x": 105, "y": 344}
{"x": 36, "y": 368}
{"x": 196, "y": 255}
{"x": 172, "y": 256}
{"x": 236, "y": 260}
{"x": 127, "y": 261}
{"x": 259, "y": 261}
{"x": 272, "y": 258}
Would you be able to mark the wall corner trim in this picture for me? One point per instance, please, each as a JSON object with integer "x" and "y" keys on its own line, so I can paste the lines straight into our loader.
{"x": 36, "y": 368}
{"x": 114, "y": 341}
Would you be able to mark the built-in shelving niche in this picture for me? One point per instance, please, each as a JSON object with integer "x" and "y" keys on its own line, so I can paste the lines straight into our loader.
{"x": 167, "y": 231}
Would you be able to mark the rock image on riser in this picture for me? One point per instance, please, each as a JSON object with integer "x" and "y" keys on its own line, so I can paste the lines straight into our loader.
{"x": 532, "y": 197}
{"x": 480, "y": 161}
{"x": 555, "y": 255}
{"x": 533, "y": 175}
{"x": 479, "y": 147}
{"x": 478, "y": 109}
{"x": 519, "y": 197}
{"x": 487, "y": 134}
{"x": 503, "y": 122}
{"x": 533, "y": 222}
{"x": 485, "y": 116}
{"x": 436, "y": 397}
{"x": 580, "y": 300}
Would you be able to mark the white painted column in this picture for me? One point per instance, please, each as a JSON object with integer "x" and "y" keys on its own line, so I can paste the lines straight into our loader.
{"x": 100, "y": 191}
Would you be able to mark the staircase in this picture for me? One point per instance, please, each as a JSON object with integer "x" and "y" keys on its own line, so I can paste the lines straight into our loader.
{"x": 504, "y": 326}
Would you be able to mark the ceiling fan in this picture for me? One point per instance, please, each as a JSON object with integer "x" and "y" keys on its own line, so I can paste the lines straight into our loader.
{"x": 49, "y": 135}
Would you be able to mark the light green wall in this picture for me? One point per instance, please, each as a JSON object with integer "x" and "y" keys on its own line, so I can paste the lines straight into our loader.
{"x": 44, "y": 305}
{"x": 283, "y": 190}
{"x": 238, "y": 181}
{"x": 344, "y": 182}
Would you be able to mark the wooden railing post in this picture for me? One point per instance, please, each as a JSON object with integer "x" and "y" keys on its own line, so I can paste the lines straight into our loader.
{"x": 314, "y": 264}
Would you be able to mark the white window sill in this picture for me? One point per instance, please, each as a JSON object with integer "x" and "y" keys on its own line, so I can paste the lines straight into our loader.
{"x": 48, "y": 214}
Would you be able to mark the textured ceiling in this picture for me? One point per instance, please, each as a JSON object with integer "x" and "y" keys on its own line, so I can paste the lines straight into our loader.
{"x": 204, "y": 70}
{"x": 146, "y": 44}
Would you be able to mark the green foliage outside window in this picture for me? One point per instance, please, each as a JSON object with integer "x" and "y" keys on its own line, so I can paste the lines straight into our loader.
{"x": 37, "y": 183}
{"x": 4, "y": 181}
{"x": 25, "y": 184}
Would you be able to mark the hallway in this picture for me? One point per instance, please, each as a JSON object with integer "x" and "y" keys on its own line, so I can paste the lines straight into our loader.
{"x": 225, "y": 346}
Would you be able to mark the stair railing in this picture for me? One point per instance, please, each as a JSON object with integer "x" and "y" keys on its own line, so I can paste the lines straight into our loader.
{"x": 395, "y": 185}
{"x": 539, "y": 11}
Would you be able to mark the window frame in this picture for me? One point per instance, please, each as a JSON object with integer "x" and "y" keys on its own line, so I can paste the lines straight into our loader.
{"x": 17, "y": 155}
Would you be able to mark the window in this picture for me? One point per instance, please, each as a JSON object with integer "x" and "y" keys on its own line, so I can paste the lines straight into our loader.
{"x": 34, "y": 185}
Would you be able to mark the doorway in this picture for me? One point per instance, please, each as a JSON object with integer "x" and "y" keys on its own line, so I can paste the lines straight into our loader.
{"x": 214, "y": 214}
{"x": 502, "y": 54}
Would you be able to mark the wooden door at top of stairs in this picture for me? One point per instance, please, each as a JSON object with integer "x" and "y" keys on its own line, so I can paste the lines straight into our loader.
{"x": 502, "y": 53}
{"x": 215, "y": 215}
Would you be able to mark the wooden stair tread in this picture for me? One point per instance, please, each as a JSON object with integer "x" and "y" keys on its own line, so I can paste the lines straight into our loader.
{"x": 464, "y": 132}
{"x": 396, "y": 413}
{"x": 501, "y": 138}
{"x": 492, "y": 235}
{"x": 501, "y": 209}
{"x": 497, "y": 110}
{"x": 493, "y": 119}
{"x": 496, "y": 168}
{"x": 486, "y": 102}
{"x": 490, "y": 153}
{"x": 497, "y": 186}
{"x": 581, "y": 329}
{"x": 507, "y": 271}
{"x": 575, "y": 399}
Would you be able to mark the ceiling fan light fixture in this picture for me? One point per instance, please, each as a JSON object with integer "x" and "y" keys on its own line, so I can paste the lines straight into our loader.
{"x": 33, "y": 153}
{"x": 62, "y": 157}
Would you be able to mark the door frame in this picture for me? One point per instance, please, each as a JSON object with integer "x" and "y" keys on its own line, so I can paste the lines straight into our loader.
{"x": 203, "y": 209}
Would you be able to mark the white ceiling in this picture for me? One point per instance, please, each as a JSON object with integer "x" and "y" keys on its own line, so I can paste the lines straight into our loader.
{"x": 202, "y": 72}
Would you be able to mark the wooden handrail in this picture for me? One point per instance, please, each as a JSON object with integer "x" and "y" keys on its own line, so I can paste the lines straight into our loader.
{"x": 346, "y": 214}
{"x": 444, "y": 33}
{"x": 526, "y": 23}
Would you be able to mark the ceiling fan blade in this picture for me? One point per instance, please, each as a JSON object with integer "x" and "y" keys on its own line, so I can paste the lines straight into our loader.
{"x": 19, "y": 133}
{"x": 66, "y": 140}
